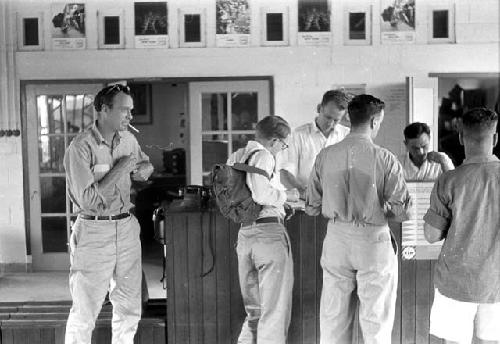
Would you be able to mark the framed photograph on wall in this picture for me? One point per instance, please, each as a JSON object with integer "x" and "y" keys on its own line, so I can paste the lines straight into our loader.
{"x": 314, "y": 22}
{"x": 192, "y": 32}
{"x": 397, "y": 22}
{"x": 441, "y": 20}
{"x": 141, "y": 94}
{"x": 274, "y": 26}
{"x": 68, "y": 26}
{"x": 30, "y": 31}
{"x": 357, "y": 25}
{"x": 151, "y": 24}
{"x": 111, "y": 29}
{"x": 232, "y": 23}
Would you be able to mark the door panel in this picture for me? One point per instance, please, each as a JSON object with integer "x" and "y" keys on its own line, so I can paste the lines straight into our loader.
{"x": 55, "y": 114}
{"x": 223, "y": 115}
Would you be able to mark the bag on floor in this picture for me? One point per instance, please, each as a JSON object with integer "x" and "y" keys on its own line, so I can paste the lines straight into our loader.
{"x": 232, "y": 195}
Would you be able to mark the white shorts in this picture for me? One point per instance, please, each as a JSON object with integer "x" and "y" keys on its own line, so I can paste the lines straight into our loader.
{"x": 454, "y": 320}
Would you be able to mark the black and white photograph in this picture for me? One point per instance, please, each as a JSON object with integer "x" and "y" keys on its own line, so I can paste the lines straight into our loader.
{"x": 151, "y": 24}
{"x": 314, "y": 22}
{"x": 250, "y": 172}
{"x": 232, "y": 22}
{"x": 68, "y": 25}
{"x": 397, "y": 21}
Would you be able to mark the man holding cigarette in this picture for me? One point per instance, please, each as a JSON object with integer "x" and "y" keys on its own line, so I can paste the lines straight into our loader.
{"x": 105, "y": 249}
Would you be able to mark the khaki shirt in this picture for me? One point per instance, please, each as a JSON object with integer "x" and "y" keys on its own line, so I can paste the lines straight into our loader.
{"x": 358, "y": 181}
{"x": 87, "y": 160}
{"x": 305, "y": 144}
{"x": 465, "y": 202}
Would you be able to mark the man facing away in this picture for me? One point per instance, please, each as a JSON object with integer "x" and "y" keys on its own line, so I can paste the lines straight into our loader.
{"x": 105, "y": 248}
{"x": 307, "y": 140}
{"x": 358, "y": 186}
{"x": 464, "y": 211}
{"x": 418, "y": 163}
{"x": 265, "y": 264}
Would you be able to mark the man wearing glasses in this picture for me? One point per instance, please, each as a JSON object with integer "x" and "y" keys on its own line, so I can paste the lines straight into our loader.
{"x": 308, "y": 139}
{"x": 105, "y": 249}
{"x": 265, "y": 264}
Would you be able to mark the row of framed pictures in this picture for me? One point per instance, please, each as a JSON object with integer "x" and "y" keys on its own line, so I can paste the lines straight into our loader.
{"x": 232, "y": 25}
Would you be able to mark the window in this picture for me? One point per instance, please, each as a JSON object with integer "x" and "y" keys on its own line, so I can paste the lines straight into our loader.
{"x": 441, "y": 25}
{"x": 274, "y": 23}
{"x": 29, "y": 28}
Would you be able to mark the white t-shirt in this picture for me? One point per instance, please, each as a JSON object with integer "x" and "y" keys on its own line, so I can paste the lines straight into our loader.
{"x": 306, "y": 142}
{"x": 428, "y": 171}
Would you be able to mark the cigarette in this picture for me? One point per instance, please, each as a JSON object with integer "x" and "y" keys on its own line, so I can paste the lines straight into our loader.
{"x": 133, "y": 128}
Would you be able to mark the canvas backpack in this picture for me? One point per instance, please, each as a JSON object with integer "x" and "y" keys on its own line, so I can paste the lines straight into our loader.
{"x": 232, "y": 195}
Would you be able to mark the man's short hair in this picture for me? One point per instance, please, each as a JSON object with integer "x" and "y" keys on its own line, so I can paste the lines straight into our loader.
{"x": 107, "y": 94}
{"x": 339, "y": 97}
{"x": 414, "y": 130}
{"x": 479, "y": 122}
{"x": 272, "y": 127}
{"x": 363, "y": 108}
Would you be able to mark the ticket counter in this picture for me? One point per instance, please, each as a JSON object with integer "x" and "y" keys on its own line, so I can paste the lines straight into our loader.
{"x": 203, "y": 297}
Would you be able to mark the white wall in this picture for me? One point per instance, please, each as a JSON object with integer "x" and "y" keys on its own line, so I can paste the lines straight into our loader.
{"x": 300, "y": 74}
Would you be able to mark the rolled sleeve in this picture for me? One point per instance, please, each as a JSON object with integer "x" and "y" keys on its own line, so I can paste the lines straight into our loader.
{"x": 314, "y": 192}
{"x": 438, "y": 215}
{"x": 396, "y": 192}
{"x": 83, "y": 189}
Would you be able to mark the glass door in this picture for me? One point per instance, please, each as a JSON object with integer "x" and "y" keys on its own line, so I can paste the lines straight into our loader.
{"x": 223, "y": 115}
{"x": 55, "y": 115}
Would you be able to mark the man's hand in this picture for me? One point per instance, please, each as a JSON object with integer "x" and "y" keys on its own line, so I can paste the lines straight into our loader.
{"x": 442, "y": 159}
{"x": 292, "y": 195}
{"x": 142, "y": 171}
{"x": 289, "y": 211}
{"x": 125, "y": 164}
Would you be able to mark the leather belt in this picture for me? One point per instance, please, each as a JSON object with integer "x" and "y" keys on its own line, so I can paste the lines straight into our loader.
{"x": 105, "y": 217}
{"x": 271, "y": 219}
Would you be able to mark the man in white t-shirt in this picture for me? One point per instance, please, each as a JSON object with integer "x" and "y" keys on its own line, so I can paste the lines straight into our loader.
{"x": 418, "y": 163}
{"x": 310, "y": 138}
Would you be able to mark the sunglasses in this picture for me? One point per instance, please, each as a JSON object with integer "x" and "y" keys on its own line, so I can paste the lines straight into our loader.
{"x": 117, "y": 88}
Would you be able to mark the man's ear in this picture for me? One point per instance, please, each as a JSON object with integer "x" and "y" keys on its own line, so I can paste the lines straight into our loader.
{"x": 318, "y": 108}
{"x": 495, "y": 139}
{"x": 461, "y": 137}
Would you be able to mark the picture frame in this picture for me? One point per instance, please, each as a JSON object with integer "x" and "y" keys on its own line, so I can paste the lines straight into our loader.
{"x": 141, "y": 94}
{"x": 358, "y": 25}
{"x": 441, "y": 19}
{"x": 274, "y": 16}
{"x": 192, "y": 28}
{"x": 30, "y": 31}
{"x": 111, "y": 25}
{"x": 151, "y": 24}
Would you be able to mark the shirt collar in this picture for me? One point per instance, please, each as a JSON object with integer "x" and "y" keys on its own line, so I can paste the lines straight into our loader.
{"x": 98, "y": 136}
{"x": 479, "y": 159}
{"x": 359, "y": 136}
{"x": 315, "y": 128}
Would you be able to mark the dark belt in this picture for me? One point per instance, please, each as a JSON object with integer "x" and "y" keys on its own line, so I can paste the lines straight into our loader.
{"x": 271, "y": 219}
{"x": 104, "y": 217}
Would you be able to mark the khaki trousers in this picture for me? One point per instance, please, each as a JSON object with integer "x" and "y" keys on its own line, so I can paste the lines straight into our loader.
{"x": 265, "y": 270}
{"x": 105, "y": 255}
{"x": 358, "y": 260}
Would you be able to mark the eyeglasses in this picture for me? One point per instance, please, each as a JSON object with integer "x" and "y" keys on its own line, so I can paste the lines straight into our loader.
{"x": 117, "y": 88}
{"x": 284, "y": 145}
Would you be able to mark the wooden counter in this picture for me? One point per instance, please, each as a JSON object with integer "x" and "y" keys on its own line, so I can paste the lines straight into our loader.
{"x": 210, "y": 310}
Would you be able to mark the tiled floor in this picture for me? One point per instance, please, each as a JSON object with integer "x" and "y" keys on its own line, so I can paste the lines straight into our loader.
{"x": 53, "y": 285}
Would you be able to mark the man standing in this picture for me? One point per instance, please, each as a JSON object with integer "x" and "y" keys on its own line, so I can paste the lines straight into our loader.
{"x": 464, "y": 211}
{"x": 308, "y": 139}
{"x": 105, "y": 248}
{"x": 265, "y": 264}
{"x": 358, "y": 186}
{"x": 418, "y": 163}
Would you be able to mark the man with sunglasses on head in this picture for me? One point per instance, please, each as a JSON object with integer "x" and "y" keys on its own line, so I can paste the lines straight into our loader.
{"x": 105, "y": 248}
{"x": 308, "y": 139}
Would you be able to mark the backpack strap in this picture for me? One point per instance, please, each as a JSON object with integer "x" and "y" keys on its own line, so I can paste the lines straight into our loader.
{"x": 252, "y": 169}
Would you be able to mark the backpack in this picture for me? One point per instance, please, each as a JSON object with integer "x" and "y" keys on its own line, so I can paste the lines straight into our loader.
{"x": 232, "y": 195}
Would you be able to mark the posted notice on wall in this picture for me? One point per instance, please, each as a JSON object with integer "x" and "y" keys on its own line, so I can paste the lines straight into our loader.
{"x": 314, "y": 38}
{"x": 414, "y": 245}
{"x": 151, "y": 24}
{"x": 232, "y": 40}
{"x": 314, "y": 22}
{"x": 398, "y": 21}
{"x": 151, "y": 41}
{"x": 68, "y": 26}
